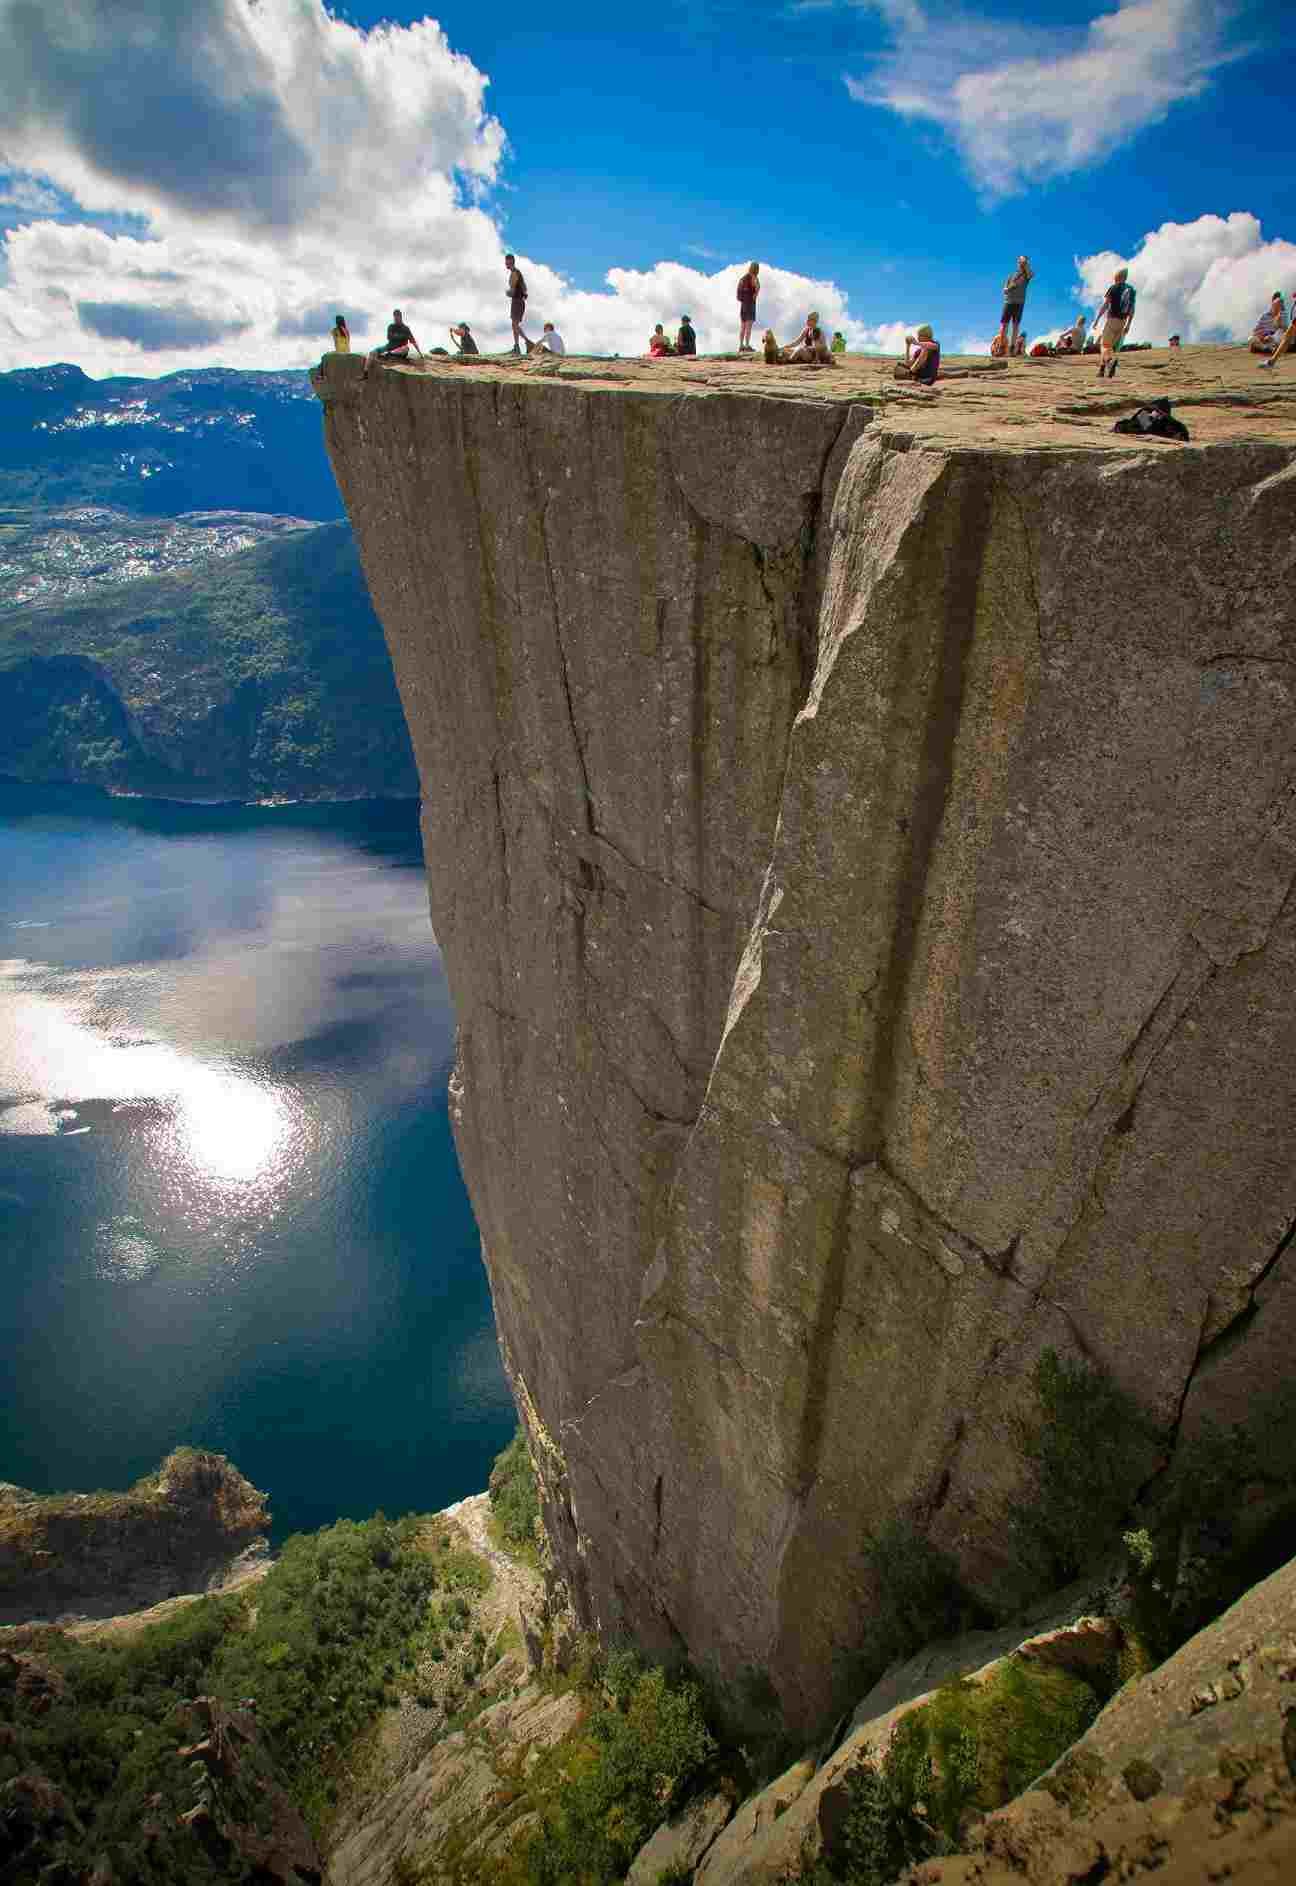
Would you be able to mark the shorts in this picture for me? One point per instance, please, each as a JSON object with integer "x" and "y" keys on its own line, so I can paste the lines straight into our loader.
{"x": 1113, "y": 333}
{"x": 746, "y": 310}
{"x": 517, "y": 308}
{"x": 1012, "y": 311}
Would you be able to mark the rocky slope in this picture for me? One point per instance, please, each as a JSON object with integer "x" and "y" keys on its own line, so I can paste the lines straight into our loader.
{"x": 187, "y": 1527}
{"x": 862, "y": 850}
{"x": 221, "y": 655}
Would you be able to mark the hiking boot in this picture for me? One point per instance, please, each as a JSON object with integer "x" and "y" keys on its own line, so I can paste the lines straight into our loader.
{"x": 517, "y": 350}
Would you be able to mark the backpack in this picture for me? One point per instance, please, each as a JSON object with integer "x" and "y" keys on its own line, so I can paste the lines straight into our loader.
{"x": 520, "y": 288}
{"x": 1153, "y": 422}
{"x": 998, "y": 347}
{"x": 1120, "y": 301}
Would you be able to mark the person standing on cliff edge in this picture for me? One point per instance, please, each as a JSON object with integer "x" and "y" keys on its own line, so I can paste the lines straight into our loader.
{"x": 748, "y": 289}
{"x": 517, "y": 300}
{"x": 1014, "y": 304}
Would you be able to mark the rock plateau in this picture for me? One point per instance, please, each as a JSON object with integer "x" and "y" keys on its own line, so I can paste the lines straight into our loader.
{"x": 861, "y": 832}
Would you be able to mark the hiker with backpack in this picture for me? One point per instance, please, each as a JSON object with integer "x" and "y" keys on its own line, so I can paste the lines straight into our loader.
{"x": 517, "y": 300}
{"x": 1118, "y": 307}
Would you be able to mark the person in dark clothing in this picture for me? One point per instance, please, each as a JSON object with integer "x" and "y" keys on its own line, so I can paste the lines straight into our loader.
{"x": 922, "y": 358}
{"x": 463, "y": 340}
{"x": 517, "y": 300}
{"x": 399, "y": 341}
{"x": 1118, "y": 312}
{"x": 686, "y": 339}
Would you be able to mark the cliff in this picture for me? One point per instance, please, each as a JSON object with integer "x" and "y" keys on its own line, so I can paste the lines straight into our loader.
{"x": 860, "y": 829}
{"x": 192, "y": 1525}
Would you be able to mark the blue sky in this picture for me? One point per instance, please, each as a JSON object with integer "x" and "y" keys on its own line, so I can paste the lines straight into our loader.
{"x": 238, "y": 167}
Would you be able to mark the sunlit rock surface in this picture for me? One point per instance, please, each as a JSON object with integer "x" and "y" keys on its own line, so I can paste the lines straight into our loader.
{"x": 860, "y": 835}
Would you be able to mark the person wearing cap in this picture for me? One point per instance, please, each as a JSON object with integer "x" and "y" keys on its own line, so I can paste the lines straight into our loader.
{"x": 551, "y": 340}
{"x": 463, "y": 340}
{"x": 686, "y": 339}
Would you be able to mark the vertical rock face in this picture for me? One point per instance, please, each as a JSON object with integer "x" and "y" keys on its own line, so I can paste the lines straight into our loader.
{"x": 863, "y": 867}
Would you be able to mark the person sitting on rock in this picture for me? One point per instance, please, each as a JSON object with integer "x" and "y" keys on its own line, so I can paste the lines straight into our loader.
{"x": 1286, "y": 342}
{"x": 399, "y": 341}
{"x": 659, "y": 344}
{"x": 922, "y": 357}
{"x": 463, "y": 340}
{"x": 1270, "y": 328}
{"x": 801, "y": 349}
{"x": 686, "y": 339}
{"x": 838, "y": 341}
{"x": 551, "y": 341}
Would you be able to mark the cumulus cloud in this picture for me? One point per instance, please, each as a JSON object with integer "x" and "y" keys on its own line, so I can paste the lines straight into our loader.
{"x": 227, "y": 176}
{"x": 154, "y": 330}
{"x": 1207, "y": 280}
{"x": 1017, "y": 118}
{"x": 254, "y": 115}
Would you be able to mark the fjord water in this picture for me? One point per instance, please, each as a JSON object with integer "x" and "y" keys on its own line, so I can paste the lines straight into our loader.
{"x": 230, "y": 1210}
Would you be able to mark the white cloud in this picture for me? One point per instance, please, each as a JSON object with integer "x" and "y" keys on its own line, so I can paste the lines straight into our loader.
{"x": 278, "y": 164}
{"x": 1207, "y": 280}
{"x": 1018, "y": 118}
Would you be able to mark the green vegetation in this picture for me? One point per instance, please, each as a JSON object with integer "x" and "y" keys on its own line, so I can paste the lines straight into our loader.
{"x": 919, "y": 1598}
{"x": 515, "y": 1502}
{"x": 640, "y": 1750}
{"x": 260, "y": 674}
{"x": 970, "y": 1749}
{"x": 331, "y": 1634}
{"x": 1090, "y": 1446}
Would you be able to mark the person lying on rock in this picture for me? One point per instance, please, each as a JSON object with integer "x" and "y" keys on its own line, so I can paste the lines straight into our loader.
{"x": 399, "y": 341}
{"x": 922, "y": 357}
{"x": 463, "y": 340}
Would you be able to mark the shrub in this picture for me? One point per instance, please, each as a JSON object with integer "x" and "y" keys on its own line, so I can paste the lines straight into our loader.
{"x": 625, "y": 1774}
{"x": 970, "y": 1749}
{"x": 920, "y": 1597}
{"x": 515, "y": 1499}
{"x": 1090, "y": 1445}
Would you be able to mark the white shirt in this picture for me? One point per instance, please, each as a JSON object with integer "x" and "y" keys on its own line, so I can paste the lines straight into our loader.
{"x": 553, "y": 340}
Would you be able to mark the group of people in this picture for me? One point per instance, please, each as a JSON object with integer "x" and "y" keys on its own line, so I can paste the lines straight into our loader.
{"x": 1274, "y": 334}
{"x": 1116, "y": 312}
{"x": 401, "y": 342}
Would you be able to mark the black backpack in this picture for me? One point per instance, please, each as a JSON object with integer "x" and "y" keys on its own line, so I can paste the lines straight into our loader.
{"x": 1153, "y": 422}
